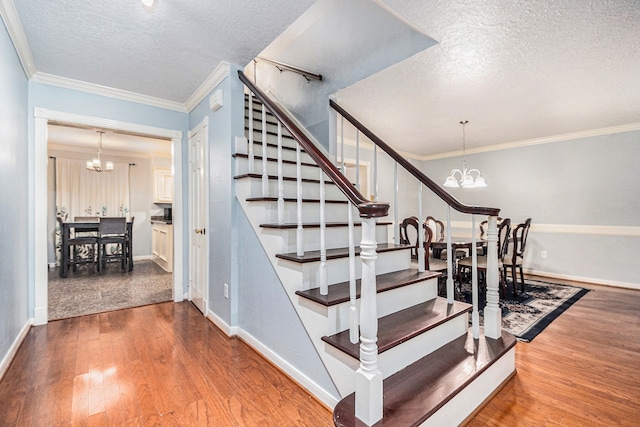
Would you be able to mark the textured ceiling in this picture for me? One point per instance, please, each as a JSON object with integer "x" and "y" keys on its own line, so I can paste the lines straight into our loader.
{"x": 517, "y": 70}
{"x": 165, "y": 52}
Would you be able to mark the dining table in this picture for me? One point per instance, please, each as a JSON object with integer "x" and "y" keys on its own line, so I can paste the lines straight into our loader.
{"x": 88, "y": 226}
{"x": 457, "y": 242}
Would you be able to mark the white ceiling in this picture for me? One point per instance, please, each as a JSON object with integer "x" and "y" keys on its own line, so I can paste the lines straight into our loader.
{"x": 517, "y": 70}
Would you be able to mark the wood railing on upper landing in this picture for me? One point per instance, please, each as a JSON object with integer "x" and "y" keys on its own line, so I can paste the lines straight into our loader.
{"x": 366, "y": 208}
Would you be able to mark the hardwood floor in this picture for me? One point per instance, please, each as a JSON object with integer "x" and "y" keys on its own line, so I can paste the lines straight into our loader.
{"x": 161, "y": 364}
{"x": 582, "y": 370}
{"x": 166, "y": 364}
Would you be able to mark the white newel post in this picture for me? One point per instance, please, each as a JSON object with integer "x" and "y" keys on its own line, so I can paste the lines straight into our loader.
{"x": 368, "y": 376}
{"x": 492, "y": 313}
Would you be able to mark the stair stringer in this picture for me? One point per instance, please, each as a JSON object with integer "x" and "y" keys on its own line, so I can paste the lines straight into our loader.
{"x": 295, "y": 278}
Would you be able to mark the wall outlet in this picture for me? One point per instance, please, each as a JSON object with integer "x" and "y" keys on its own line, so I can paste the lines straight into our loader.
{"x": 543, "y": 254}
{"x": 226, "y": 291}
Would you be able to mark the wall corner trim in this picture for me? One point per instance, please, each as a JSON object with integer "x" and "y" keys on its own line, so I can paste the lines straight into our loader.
{"x": 18, "y": 37}
{"x": 213, "y": 80}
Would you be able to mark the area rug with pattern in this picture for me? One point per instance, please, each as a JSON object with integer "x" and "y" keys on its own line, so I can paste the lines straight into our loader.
{"x": 526, "y": 314}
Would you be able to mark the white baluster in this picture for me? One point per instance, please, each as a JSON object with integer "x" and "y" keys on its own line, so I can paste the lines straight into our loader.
{"x": 368, "y": 376}
{"x": 280, "y": 178}
{"x": 251, "y": 155}
{"x": 357, "y": 159}
{"x": 344, "y": 170}
{"x": 375, "y": 173}
{"x": 396, "y": 223}
{"x": 353, "y": 309}
{"x": 492, "y": 312}
{"x": 299, "y": 231}
{"x": 265, "y": 176}
{"x": 475, "y": 316}
{"x": 324, "y": 287}
{"x": 450, "y": 257}
{"x": 421, "y": 231}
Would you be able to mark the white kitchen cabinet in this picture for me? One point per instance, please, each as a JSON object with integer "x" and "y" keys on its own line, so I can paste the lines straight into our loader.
{"x": 162, "y": 185}
{"x": 162, "y": 245}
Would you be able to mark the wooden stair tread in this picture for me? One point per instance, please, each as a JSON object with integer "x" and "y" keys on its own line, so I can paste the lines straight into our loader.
{"x": 293, "y": 225}
{"x": 401, "y": 326}
{"x": 314, "y": 256}
{"x": 274, "y": 159}
{"x": 416, "y": 392}
{"x": 339, "y": 292}
{"x": 285, "y": 178}
{"x": 293, "y": 199}
{"x": 270, "y": 132}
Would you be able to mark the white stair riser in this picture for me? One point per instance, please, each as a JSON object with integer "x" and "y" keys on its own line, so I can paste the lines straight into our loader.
{"x": 335, "y": 237}
{"x": 338, "y": 269}
{"x": 463, "y": 404}
{"x": 288, "y": 169}
{"x": 402, "y": 355}
{"x": 337, "y": 316}
{"x": 310, "y": 190}
{"x": 334, "y": 212}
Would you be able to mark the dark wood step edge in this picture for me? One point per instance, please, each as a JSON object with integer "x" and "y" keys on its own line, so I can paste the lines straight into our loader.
{"x": 405, "y": 324}
{"x": 285, "y": 178}
{"x": 293, "y": 225}
{"x": 337, "y": 253}
{"x": 339, "y": 292}
{"x": 293, "y": 199}
{"x": 273, "y": 159}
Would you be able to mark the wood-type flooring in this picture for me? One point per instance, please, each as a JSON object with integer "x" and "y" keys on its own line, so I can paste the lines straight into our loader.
{"x": 166, "y": 364}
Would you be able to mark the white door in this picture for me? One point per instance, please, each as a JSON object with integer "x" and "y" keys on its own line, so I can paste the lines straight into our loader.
{"x": 198, "y": 217}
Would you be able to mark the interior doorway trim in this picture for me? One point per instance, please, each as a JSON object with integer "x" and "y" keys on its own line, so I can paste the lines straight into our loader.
{"x": 42, "y": 119}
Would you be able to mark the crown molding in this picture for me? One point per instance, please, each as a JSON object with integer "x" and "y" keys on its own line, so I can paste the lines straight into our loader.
{"x": 124, "y": 95}
{"x": 214, "y": 79}
{"x": 537, "y": 141}
{"x": 18, "y": 37}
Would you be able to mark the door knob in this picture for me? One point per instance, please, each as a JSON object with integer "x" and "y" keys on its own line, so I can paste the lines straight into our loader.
{"x": 198, "y": 231}
{"x": 201, "y": 231}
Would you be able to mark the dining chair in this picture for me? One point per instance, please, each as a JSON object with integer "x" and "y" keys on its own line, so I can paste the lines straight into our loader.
{"x": 503, "y": 240}
{"x": 112, "y": 231}
{"x": 433, "y": 263}
{"x": 437, "y": 229}
{"x": 82, "y": 249}
{"x": 408, "y": 229}
{"x": 515, "y": 257}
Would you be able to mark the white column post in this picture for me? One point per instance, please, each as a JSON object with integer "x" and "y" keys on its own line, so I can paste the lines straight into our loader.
{"x": 280, "y": 178}
{"x": 492, "y": 312}
{"x": 368, "y": 376}
{"x": 475, "y": 316}
{"x": 450, "y": 259}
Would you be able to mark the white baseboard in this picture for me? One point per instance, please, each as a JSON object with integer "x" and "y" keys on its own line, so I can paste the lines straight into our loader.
{"x": 142, "y": 257}
{"x": 299, "y": 377}
{"x": 8, "y": 358}
{"x": 584, "y": 279}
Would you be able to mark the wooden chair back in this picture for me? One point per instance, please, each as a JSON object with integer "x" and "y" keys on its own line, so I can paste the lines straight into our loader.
{"x": 112, "y": 226}
{"x": 436, "y": 226}
{"x": 504, "y": 230}
{"x": 483, "y": 227}
{"x": 408, "y": 228}
{"x": 520, "y": 234}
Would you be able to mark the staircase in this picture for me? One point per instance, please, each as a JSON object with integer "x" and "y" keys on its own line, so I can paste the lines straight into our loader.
{"x": 434, "y": 372}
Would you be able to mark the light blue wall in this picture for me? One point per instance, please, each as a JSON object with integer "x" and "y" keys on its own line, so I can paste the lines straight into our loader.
{"x": 14, "y": 200}
{"x": 267, "y": 312}
{"x": 590, "y": 181}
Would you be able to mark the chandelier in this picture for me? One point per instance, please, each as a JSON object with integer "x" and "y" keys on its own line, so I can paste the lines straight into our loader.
{"x": 467, "y": 179}
{"x": 95, "y": 165}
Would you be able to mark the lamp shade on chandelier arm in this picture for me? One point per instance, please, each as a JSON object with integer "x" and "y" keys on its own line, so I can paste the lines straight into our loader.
{"x": 466, "y": 179}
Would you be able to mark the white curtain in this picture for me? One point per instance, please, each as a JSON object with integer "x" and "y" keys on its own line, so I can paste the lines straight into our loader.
{"x": 80, "y": 192}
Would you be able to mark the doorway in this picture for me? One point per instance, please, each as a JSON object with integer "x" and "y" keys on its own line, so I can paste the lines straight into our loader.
{"x": 42, "y": 119}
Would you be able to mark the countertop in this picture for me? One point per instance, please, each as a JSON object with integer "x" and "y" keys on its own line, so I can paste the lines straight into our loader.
{"x": 160, "y": 219}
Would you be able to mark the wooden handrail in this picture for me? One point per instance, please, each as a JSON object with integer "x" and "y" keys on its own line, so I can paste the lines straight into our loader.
{"x": 367, "y": 208}
{"x": 444, "y": 195}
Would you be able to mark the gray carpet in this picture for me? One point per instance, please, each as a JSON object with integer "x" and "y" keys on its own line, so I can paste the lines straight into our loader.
{"x": 86, "y": 292}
